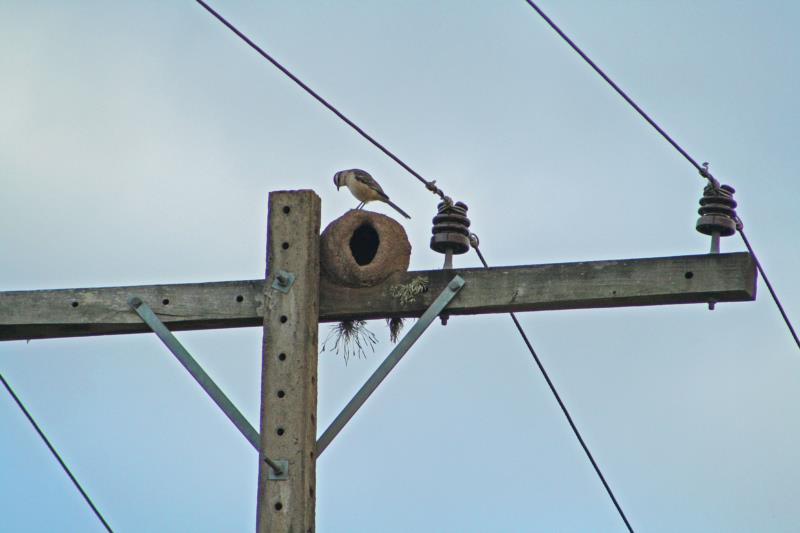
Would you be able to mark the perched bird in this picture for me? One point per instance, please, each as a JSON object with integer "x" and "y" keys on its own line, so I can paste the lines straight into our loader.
{"x": 363, "y": 187}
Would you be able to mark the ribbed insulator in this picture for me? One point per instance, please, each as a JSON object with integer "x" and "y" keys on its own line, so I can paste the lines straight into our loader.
{"x": 717, "y": 211}
{"x": 451, "y": 229}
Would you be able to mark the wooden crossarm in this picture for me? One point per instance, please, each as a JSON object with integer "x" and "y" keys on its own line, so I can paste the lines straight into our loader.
{"x": 731, "y": 277}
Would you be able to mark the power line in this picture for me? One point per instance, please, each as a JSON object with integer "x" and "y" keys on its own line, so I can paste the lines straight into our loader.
{"x": 622, "y": 93}
{"x": 769, "y": 286}
{"x": 55, "y": 454}
{"x": 702, "y": 169}
{"x": 474, "y": 243}
{"x": 430, "y": 185}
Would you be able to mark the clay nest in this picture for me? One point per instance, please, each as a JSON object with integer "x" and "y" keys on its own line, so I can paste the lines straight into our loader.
{"x": 362, "y": 249}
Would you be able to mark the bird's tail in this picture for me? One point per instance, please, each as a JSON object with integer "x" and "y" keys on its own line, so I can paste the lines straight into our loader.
{"x": 397, "y": 208}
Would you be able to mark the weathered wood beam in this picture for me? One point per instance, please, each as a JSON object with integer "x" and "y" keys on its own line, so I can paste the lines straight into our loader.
{"x": 617, "y": 283}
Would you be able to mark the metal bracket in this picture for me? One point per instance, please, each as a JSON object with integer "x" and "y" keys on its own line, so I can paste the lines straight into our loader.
{"x": 281, "y": 473}
{"x": 283, "y": 281}
{"x": 389, "y": 363}
{"x": 204, "y": 380}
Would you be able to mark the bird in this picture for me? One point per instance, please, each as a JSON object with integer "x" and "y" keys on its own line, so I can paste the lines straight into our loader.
{"x": 364, "y": 188}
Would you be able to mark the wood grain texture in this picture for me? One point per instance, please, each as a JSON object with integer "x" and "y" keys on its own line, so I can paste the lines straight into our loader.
{"x": 289, "y": 364}
{"x": 591, "y": 284}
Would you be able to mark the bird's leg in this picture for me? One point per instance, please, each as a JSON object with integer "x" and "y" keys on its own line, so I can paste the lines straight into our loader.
{"x": 359, "y": 206}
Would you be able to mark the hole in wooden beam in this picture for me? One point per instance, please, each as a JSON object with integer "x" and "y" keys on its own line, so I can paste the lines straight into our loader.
{"x": 240, "y": 298}
{"x": 689, "y": 275}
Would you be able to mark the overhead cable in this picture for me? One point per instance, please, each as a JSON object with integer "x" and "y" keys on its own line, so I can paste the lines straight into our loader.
{"x": 769, "y": 286}
{"x": 55, "y": 454}
{"x": 430, "y": 185}
{"x": 475, "y": 245}
{"x": 702, "y": 169}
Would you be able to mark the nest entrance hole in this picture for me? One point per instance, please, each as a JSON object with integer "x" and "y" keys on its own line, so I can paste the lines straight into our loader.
{"x": 364, "y": 244}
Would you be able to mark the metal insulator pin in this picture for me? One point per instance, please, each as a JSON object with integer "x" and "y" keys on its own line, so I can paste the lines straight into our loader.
{"x": 450, "y": 234}
{"x": 717, "y": 216}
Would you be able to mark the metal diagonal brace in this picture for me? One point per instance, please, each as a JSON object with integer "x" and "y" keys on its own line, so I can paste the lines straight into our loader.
{"x": 204, "y": 380}
{"x": 389, "y": 363}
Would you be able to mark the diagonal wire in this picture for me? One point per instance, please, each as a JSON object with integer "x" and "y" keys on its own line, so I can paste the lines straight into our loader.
{"x": 616, "y": 87}
{"x": 703, "y": 170}
{"x": 769, "y": 286}
{"x": 430, "y": 185}
{"x": 474, "y": 242}
{"x": 55, "y": 454}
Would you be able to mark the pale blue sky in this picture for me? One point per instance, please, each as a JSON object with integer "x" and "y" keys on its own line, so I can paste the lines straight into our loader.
{"x": 138, "y": 143}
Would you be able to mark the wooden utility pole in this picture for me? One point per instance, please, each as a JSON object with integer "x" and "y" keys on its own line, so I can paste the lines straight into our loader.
{"x": 289, "y": 364}
{"x": 292, "y": 300}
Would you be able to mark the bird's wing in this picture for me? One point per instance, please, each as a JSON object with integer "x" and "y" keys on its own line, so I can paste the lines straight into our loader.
{"x": 366, "y": 179}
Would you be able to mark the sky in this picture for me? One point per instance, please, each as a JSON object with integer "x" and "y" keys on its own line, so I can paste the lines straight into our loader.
{"x": 139, "y": 142}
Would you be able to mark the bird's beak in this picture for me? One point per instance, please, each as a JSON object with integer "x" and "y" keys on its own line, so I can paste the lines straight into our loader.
{"x": 336, "y": 180}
